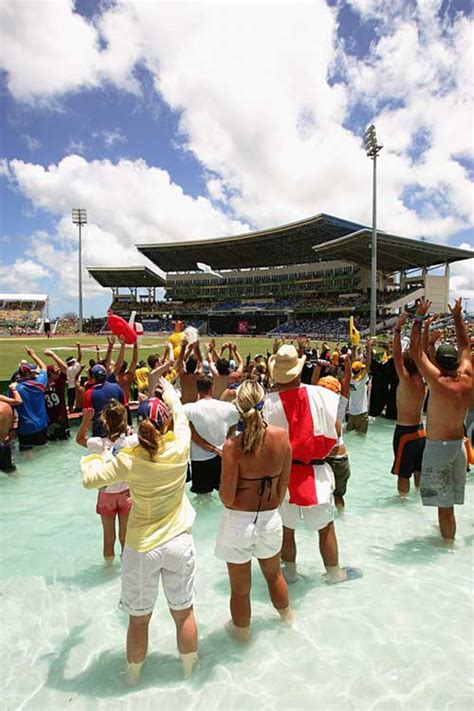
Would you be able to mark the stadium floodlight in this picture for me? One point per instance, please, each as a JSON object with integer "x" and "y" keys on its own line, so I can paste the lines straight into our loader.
{"x": 372, "y": 149}
{"x": 79, "y": 218}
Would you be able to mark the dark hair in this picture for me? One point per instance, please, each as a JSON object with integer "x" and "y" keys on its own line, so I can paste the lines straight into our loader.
{"x": 191, "y": 364}
{"x": 222, "y": 366}
{"x": 91, "y": 362}
{"x": 204, "y": 384}
{"x": 409, "y": 363}
{"x": 152, "y": 360}
{"x": 142, "y": 364}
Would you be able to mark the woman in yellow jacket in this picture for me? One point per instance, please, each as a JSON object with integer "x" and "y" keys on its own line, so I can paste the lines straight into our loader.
{"x": 159, "y": 541}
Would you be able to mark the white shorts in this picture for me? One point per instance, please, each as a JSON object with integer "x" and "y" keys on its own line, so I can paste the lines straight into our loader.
{"x": 240, "y": 538}
{"x": 315, "y": 517}
{"x": 173, "y": 561}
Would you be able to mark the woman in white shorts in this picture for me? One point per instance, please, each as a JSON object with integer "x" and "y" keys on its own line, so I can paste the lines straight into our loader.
{"x": 255, "y": 469}
{"x": 159, "y": 543}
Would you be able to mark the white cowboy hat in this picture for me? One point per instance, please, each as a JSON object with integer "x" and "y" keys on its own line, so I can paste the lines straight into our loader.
{"x": 285, "y": 365}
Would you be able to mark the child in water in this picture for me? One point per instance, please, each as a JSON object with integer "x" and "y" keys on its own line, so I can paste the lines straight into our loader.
{"x": 113, "y": 500}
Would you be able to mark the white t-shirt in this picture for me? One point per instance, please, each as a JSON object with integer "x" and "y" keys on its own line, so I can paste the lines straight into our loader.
{"x": 358, "y": 401}
{"x": 72, "y": 371}
{"x": 103, "y": 445}
{"x": 212, "y": 420}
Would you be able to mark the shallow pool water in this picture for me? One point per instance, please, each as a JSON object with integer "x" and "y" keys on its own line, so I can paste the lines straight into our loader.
{"x": 399, "y": 638}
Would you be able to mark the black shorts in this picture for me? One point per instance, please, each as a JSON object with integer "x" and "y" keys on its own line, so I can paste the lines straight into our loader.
{"x": 71, "y": 396}
{"x": 205, "y": 475}
{"x": 58, "y": 431}
{"x": 408, "y": 445}
{"x": 28, "y": 441}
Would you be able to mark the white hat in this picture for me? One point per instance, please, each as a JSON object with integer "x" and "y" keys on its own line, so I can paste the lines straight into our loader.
{"x": 285, "y": 365}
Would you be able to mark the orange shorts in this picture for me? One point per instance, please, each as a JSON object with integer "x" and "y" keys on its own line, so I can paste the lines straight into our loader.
{"x": 111, "y": 504}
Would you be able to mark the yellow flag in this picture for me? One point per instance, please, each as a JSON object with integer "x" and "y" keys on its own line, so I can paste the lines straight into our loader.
{"x": 354, "y": 335}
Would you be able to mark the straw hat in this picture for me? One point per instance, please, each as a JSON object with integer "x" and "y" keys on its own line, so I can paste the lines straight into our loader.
{"x": 285, "y": 365}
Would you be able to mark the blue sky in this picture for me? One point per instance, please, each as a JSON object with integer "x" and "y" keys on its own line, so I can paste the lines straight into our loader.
{"x": 197, "y": 120}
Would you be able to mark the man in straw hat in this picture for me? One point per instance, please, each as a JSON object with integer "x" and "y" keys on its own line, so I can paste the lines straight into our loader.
{"x": 309, "y": 414}
{"x": 449, "y": 378}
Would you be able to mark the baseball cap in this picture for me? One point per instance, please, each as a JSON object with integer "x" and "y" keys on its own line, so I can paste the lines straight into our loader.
{"x": 357, "y": 365}
{"x": 98, "y": 372}
{"x": 27, "y": 368}
{"x": 154, "y": 409}
{"x": 447, "y": 357}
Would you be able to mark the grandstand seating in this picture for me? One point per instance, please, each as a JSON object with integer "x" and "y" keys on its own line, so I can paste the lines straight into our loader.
{"x": 321, "y": 327}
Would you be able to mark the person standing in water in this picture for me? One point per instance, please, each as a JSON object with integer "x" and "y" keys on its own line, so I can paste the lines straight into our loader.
{"x": 409, "y": 436}
{"x": 255, "y": 469}
{"x": 159, "y": 544}
{"x": 449, "y": 378}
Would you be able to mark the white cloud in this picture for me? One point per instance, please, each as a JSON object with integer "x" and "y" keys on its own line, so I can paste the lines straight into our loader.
{"x": 112, "y": 137}
{"x": 32, "y": 143}
{"x": 22, "y": 275}
{"x": 74, "y": 147}
{"x": 461, "y": 281}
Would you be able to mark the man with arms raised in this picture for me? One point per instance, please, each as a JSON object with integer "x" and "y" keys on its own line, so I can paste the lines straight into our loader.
{"x": 409, "y": 436}
{"x": 443, "y": 474}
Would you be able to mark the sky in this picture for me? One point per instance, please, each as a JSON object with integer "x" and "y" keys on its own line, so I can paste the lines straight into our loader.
{"x": 185, "y": 120}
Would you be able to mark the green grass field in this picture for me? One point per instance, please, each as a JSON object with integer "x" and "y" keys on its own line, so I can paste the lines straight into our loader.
{"x": 12, "y": 349}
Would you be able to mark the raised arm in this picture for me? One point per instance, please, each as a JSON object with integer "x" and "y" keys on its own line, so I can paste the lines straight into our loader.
{"x": 461, "y": 334}
{"x": 35, "y": 358}
{"x": 346, "y": 378}
{"x": 79, "y": 352}
{"x": 180, "y": 362}
{"x": 181, "y": 428}
{"x": 198, "y": 354}
{"x": 427, "y": 369}
{"x": 86, "y": 423}
{"x": 133, "y": 363}
{"x": 368, "y": 362}
{"x": 110, "y": 348}
{"x": 59, "y": 361}
{"x": 402, "y": 372}
{"x": 210, "y": 360}
{"x": 240, "y": 361}
{"x": 121, "y": 356}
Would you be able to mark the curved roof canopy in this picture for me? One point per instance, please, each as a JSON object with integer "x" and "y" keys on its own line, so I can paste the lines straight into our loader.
{"x": 394, "y": 253}
{"x": 286, "y": 245}
{"x": 126, "y": 276}
{"x": 23, "y": 297}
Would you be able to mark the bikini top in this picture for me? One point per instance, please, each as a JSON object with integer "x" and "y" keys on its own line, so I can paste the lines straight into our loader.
{"x": 266, "y": 482}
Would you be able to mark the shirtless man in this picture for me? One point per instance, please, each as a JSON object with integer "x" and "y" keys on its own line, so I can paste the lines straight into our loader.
{"x": 443, "y": 474}
{"x": 220, "y": 367}
{"x": 6, "y": 425}
{"x": 124, "y": 375}
{"x": 189, "y": 368}
{"x": 409, "y": 436}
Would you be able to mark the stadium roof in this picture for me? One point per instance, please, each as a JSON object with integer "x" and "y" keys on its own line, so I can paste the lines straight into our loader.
{"x": 286, "y": 245}
{"x": 394, "y": 253}
{"x": 23, "y": 297}
{"x": 126, "y": 276}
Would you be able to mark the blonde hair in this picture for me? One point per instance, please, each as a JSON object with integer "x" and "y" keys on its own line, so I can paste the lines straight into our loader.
{"x": 149, "y": 437}
{"x": 249, "y": 401}
{"x": 113, "y": 419}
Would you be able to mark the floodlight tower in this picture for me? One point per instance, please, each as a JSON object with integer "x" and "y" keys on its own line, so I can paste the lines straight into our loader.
{"x": 372, "y": 149}
{"x": 79, "y": 218}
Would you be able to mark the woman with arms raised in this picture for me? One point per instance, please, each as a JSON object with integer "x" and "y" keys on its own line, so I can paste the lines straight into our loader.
{"x": 159, "y": 541}
{"x": 255, "y": 469}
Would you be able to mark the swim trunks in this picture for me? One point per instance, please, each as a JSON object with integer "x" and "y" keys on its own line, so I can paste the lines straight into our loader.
{"x": 443, "y": 473}
{"x": 174, "y": 562}
{"x": 358, "y": 423}
{"x": 242, "y": 535}
{"x": 408, "y": 446}
{"x": 205, "y": 475}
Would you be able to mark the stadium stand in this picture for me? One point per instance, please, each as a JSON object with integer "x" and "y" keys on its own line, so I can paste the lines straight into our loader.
{"x": 306, "y": 276}
{"x": 21, "y": 313}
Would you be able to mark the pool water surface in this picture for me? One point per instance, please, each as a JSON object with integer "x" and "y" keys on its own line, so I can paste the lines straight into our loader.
{"x": 399, "y": 638}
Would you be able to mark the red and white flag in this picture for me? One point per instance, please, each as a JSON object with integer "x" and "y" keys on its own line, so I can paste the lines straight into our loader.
{"x": 309, "y": 414}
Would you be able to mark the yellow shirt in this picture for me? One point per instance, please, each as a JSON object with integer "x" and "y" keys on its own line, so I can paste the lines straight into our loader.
{"x": 141, "y": 379}
{"x": 160, "y": 508}
{"x": 176, "y": 340}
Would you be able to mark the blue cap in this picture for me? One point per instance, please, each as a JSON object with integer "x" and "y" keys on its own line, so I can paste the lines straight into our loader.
{"x": 98, "y": 372}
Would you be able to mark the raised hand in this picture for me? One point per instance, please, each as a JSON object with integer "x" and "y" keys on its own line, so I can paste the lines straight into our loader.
{"x": 49, "y": 352}
{"x": 29, "y": 350}
{"x": 88, "y": 414}
{"x": 402, "y": 319}
{"x": 456, "y": 310}
{"x": 423, "y": 306}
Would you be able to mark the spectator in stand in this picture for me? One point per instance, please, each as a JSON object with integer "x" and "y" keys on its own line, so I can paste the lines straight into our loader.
{"x": 58, "y": 427}
{"x": 211, "y": 422}
{"x": 99, "y": 395}
{"x": 32, "y": 414}
{"x": 74, "y": 367}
